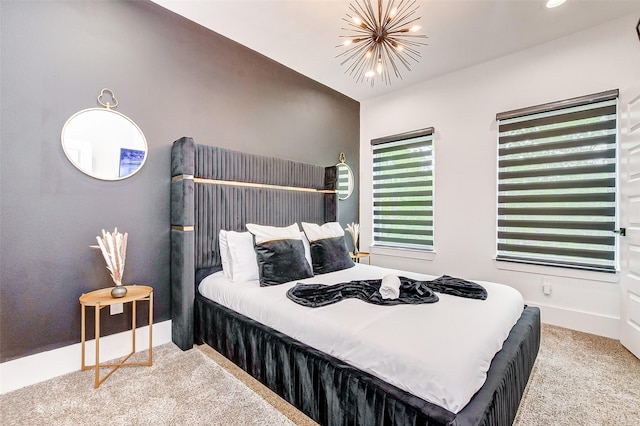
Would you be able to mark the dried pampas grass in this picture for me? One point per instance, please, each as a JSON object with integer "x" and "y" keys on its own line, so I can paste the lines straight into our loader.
{"x": 114, "y": 249}
{"x": 354, "y": 230}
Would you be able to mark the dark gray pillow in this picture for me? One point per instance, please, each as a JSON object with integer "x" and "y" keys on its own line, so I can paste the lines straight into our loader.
{"x": 330, "y": 254}
{"x": 281, "y": 261}
{"x": 280, "y": 254}
{"x": 328, "y": 250}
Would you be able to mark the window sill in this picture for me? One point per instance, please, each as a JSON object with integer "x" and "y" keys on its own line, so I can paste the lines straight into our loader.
{"x": 404, "y": 253}
{"x": 557, "y": 271}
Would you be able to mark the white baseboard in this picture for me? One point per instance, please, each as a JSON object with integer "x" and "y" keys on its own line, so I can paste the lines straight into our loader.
{"x": 587, "y": 322}
{"x": 37, "y": 368}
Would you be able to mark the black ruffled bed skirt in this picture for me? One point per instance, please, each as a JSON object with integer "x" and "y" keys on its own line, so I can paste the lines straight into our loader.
{"x": 334, "y": 393}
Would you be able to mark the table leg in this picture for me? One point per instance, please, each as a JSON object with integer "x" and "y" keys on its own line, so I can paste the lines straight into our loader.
{"x": 150, "y": 328}
{"x": 133, "y": 326}
{"x": 97, "y": 321}
{"x": 82, "y": 336}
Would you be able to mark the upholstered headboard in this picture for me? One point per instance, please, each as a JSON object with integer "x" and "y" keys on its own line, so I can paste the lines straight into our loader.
{"x": 215, "y": 188}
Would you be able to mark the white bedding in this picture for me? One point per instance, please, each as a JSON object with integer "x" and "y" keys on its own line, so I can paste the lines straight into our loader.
{"x": 439, "y": 352}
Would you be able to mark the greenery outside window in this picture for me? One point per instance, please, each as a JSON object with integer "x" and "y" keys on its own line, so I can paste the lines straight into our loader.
{"x": 403, "y": 190}
{"x": 557, "y": 183}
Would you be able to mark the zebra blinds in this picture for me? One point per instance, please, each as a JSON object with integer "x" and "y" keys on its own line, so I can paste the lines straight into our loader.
{"x": 557, "y": 184}
{"x": 403, "y": 190}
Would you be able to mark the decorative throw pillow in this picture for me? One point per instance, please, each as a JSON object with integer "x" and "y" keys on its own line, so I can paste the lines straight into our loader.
{"x": 242, "y": 257}
{"x": 280, "y": 254}
{"x": 328, "y": 250}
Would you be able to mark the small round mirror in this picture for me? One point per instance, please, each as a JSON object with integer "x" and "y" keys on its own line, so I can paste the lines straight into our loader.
{"x": 344, "y": 179}
{"x": 104, "y": 144}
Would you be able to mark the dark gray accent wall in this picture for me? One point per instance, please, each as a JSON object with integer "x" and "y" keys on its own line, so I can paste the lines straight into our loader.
{"x": 172, "y": 77}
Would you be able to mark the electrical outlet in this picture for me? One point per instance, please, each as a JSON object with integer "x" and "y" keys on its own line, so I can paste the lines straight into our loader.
{"x": 116, "y": 308}
{"x": 546, "y": 285}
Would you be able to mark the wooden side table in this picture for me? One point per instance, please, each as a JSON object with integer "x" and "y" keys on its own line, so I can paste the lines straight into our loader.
{"x": 360, "y": 255}
{"x": 102, "y": 298}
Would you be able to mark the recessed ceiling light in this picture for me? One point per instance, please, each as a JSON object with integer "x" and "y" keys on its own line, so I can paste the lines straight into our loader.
{"x": 554, "y": 3}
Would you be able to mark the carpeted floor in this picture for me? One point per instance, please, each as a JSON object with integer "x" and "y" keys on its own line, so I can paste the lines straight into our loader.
{"x": 578, "y": 379}
{"x": 181, "y": 388}
{"x": 581, "y": 379}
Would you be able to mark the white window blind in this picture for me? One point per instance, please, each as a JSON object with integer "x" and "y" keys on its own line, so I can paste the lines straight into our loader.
{"x": 557, "y": 183}
{"x": 403, "y": 190}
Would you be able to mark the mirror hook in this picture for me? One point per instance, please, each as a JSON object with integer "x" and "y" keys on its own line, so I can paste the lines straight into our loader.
{"x": 112, "y": 95}
{"x": 342, "y": 158}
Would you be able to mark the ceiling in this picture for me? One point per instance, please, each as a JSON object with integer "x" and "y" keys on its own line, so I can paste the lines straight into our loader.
{"x": 303, "y": 34}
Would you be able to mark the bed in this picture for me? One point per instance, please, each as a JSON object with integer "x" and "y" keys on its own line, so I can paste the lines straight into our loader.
{"x": 215, "y": 189}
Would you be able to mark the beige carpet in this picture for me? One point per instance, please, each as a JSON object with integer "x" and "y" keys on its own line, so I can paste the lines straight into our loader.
{"x": 181, "y": 388}
{"x": 581, "y": 379}
{"x": 578, "y": 379}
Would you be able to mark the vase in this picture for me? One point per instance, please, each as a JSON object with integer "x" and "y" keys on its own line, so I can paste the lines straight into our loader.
{"x": 118, "y": 291}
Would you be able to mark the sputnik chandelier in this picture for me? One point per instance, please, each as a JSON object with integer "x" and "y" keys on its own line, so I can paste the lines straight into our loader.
{"x": 377, "y": 44}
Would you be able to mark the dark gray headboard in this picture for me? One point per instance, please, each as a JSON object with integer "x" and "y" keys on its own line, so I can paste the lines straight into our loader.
{"x": 215, "y": 188}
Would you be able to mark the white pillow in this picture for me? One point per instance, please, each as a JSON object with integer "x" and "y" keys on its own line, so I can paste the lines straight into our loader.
{"x": 224, "y": 253}
{"x": 270, "y": 233}
{"x": 242, "y": 256}
{"x": 316, "y": 232}
{"x": 307, "y": 248}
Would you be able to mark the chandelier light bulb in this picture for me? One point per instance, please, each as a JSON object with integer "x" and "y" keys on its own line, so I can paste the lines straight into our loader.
{"x": 347, "y": 42}
{"x": 370, "y": 74}
{"x": 554, "y": 3}
{"x": 415, "y": 28}
{"x": 357, "y": 20}
{"x": 393, "y": 13}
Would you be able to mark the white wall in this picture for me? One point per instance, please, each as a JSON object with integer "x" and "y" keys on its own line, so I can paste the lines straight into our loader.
{"x": 462, "y": 107}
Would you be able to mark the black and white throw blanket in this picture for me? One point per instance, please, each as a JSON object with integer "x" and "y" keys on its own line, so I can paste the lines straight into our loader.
{"x": 411, "y": 291}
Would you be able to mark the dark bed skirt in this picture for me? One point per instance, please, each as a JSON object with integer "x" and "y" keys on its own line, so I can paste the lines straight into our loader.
{"x": 334, "y": 393}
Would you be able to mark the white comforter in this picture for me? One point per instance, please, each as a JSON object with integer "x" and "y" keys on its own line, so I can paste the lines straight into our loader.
{"x": 439, "y": 352}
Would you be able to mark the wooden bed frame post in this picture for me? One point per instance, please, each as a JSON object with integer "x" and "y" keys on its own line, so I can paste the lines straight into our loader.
{"x": 182, "y": 243}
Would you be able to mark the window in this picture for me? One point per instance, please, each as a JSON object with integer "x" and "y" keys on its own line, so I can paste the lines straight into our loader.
{"x": 557, "y": 183}
{"x": 403, "y": 190}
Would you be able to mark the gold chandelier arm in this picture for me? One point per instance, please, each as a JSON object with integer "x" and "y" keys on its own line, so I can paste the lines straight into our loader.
{"x": 365, "y": 14}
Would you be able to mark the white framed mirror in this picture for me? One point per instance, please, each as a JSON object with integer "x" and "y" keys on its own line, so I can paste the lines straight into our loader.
{"x": 104, "y": 143}
{"x": 344, "y": 177}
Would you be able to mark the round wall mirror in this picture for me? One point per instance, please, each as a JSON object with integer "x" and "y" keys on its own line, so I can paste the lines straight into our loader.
{"x": 344, "y": 178}
{"x": 104, "y": 144}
